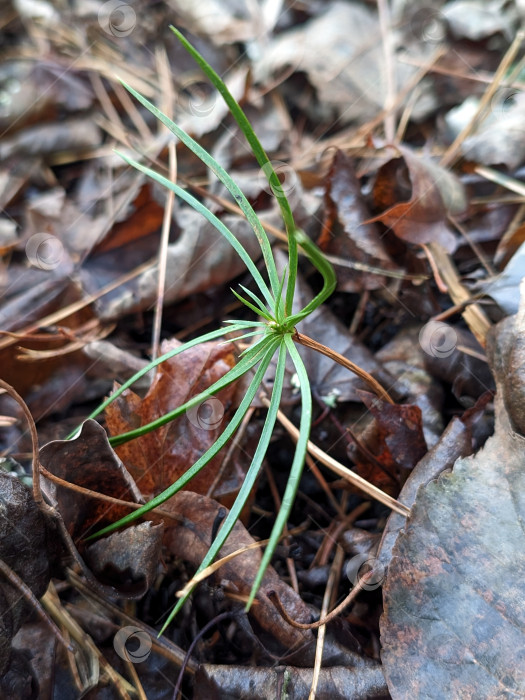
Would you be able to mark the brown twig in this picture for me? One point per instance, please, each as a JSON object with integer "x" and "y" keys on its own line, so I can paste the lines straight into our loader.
{"x": 272, "y": 595}
{"x": 342, "y": 360}
{"x": 37, "y": 491}
{"x": 30, "y": 597}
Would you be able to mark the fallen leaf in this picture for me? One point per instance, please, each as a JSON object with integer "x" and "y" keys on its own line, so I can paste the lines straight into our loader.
{"x": 499, "y": 138}
{"x": 25, "y": 546}
{"x": 159, "y": 458}
{"x": 419, "y": 195}
{"x": 345, "y": 234}
{"x": 362, "y": 680}
{"x": 454, "y": 620}
{"x": 342, "y": 57}
{"x": 503, "y": 289}
{"x": 126, "y": 561}
{"x": 190, "y": 538}
{"x": 200, "y": 259}
{"x": 478, "y": 19}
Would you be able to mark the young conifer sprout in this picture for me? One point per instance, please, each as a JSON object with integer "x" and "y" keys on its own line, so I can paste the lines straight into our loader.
{"x": 274, "y": 337}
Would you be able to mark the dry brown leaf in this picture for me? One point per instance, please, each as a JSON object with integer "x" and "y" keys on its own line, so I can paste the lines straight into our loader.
{"x": 190, "y": 538}
{"x": 125, "y": 561}
{"x": 418, "y": 195}
{"x": 345, "y": 234}
{"x": 159, "y": 458}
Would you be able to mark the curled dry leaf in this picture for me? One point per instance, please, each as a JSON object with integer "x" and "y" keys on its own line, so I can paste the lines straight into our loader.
{"x": 125, "y": 562}
{"x": 418, "y": 195}
{"x": 345, "y": 234}
{"x": 454, "y": 620}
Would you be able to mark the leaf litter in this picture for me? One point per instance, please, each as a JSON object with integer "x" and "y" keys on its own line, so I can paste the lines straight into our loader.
{"x": 418, "y": 238}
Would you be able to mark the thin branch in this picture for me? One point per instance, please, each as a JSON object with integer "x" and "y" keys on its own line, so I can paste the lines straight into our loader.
{"x": 30, "y": 597}
{"x": 37, "y": 492}
{"x": 272, "y": 595}
{"x": 342, "y": 360}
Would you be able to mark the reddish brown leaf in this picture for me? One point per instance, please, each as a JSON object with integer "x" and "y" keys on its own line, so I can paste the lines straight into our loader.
{"x": 391, "y": 445}
{"x": 400, "y": 429}
{"x": 418, "y": 195}
{"x": 159, "y": 458}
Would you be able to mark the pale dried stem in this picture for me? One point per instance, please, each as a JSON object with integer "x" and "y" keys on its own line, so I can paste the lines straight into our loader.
{"x": 342, "y": 471}
{"x": 342, "y": 360}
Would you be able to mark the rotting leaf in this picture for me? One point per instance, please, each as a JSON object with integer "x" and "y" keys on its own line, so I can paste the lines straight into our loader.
{"x": 394, "y": 439}
{"x": 454, "y": 619}
{"x": 400, "y": 429}
{"x": 362, "y": 680}
{"x": 418, "y": 195}
{"x": 127, "y": 561}
{"x": 24, "y": 547}
{"x": 159, "y": 458}
{"x": 344, "y": 233}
